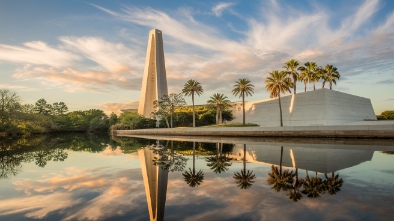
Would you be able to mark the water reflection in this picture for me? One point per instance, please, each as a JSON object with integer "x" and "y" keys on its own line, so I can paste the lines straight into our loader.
{"x": 245, "y": 178}
{"x": 192, "y": 178}
{"x": 219, "y": 162}
{"x": 40, "y": 150}
{"x": 142, "y": 179}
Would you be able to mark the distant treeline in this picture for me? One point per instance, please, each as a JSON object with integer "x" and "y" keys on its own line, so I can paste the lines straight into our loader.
{"x": 42, "y": 117}
{"x": 386, "y": 115}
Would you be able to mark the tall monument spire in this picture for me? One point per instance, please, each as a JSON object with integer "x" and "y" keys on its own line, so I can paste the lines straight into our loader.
{"x": 154, "y": 82}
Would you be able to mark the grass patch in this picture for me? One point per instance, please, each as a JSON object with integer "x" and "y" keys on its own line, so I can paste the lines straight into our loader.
{"x": 235, "y": 125}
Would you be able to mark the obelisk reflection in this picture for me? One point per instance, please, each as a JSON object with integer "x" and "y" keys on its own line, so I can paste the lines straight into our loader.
{"x": 155, "y": 182}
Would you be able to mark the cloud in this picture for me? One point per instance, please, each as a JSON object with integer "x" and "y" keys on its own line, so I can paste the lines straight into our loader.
{"x": 117, "y": 107}
{"x": 219, "y": 8}
{"x": 387, "y": 81}
{"x": 38, "y": 53}
{"x": 64, "y": 193}
{"x": 200, "y": 51}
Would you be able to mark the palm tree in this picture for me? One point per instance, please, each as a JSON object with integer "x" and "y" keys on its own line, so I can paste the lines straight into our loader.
{"x": 308, "y": 73}
{"x": 332, "y": 75}
{"x": 333, "y": 184}
{"x": 280, "y": 180}
{"x": 277, "y": 83}
{"x": 321, "y": 73}
{"x": 190, "y": 88}
{"x": 244, "y": 179}
{"x": 220, "y": 102}
{"x": 192, "y": 178}
{"x": 291, "y": 67}
{"x": 219, "y": 162}
{"x": 243, "y": 87}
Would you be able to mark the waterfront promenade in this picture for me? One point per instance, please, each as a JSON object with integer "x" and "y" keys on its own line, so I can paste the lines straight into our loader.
{"x": 374, "y": 129}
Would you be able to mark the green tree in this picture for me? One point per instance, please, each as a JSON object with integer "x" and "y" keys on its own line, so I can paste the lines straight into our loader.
{"x": 59, "y": 108}
{"x": 243, "y": 88}
{"x": 291, "y": 67}
{"x": 9, "y": 103}
{"x": 331, "y": 75}
{"x": 190, "y": 88}
{"x": 220, "y": 103}
{"x": 113, "y": 119}
{"x": 42, "y": 107}
{"x": 308, "y": 73}
{"x": 27, "y": 108}
{"x": 386, "y": 115}
{"x": 167, "y": 105}
{"x": 244, "y": 179}
{"x": 277, "y": 83}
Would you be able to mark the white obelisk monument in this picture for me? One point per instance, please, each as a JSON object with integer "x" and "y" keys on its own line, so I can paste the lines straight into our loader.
{"x": 154, "y": 82}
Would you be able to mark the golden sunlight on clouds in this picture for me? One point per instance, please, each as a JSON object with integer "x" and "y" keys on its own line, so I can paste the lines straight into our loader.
{"x": 108, "y": 108}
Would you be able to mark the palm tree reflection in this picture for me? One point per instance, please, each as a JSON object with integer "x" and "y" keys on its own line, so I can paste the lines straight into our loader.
{"x": 244, "y": 179}
{"x": 192, "y": 178}
{"x": 219, "y": 162}
{"x": 333, "y": 184}
{"x": 312, "y": 187}
{"x": 294, "y": 191}
{"x": 280, "y": 180}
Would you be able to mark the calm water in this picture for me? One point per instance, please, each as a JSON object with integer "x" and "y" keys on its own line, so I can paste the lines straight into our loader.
{"x": 80, "y": 177}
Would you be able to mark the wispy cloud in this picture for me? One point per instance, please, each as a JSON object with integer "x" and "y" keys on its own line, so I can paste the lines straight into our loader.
{"x": 219, "y": 8}
{"x": 198, "y": 50}
{"x": 108, "y": 108}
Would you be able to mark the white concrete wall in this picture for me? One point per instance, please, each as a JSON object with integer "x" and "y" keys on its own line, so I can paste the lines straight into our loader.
{"x": 319, "y": 159}
{"x": 312, "y": 108}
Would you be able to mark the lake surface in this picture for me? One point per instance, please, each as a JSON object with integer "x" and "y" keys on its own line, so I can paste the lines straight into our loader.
{"x": 81, "y": 177}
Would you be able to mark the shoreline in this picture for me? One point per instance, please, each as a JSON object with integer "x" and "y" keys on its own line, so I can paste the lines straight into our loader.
{"x": 385, "y": 131}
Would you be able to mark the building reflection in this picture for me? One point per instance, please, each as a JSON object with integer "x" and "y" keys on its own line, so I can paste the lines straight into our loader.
{"x": 155, "y": 181}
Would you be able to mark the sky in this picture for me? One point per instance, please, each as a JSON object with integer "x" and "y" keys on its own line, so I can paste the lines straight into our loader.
{"x": 91, "y": 54}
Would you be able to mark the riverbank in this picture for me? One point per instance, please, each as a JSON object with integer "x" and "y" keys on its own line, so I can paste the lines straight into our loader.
{"x": 381, "y": 131}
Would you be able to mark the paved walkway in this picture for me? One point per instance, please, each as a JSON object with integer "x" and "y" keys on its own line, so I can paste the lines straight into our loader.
{"x": 384, "y": 130}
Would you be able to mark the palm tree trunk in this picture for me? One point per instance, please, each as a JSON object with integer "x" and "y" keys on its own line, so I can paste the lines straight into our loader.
{"x": 217, "y": 115}
{"x": 314, "y": 86}
{"x": 280, "y": 111}
{"x": 330, "y": 85}
{"x": 323, "y": 84}
{"x": 243, "y": 107}
{"x": 220, "y": 116}
{"x": 295, "y": 84}
{"x": 194, "y": 115}
{"x": 304, "y": 86}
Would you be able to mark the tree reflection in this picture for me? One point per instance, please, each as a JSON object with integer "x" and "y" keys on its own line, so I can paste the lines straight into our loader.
{"x": 244, "y": 179}
{"x": 192, "y": 178}
{"x": 313, "y": 186}
{"x": 219, "y": 162}
{"x": 333, "y": 184}
{"x": 294, "y": 191}
{"x": 280, "y": 180}
{"x": 43, "y": 149}
{"x": 296, "y": 187}
{"x": 168, "y": 159}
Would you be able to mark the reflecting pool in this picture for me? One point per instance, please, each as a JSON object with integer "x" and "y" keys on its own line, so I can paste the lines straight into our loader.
{"x": 82, "y": 177}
